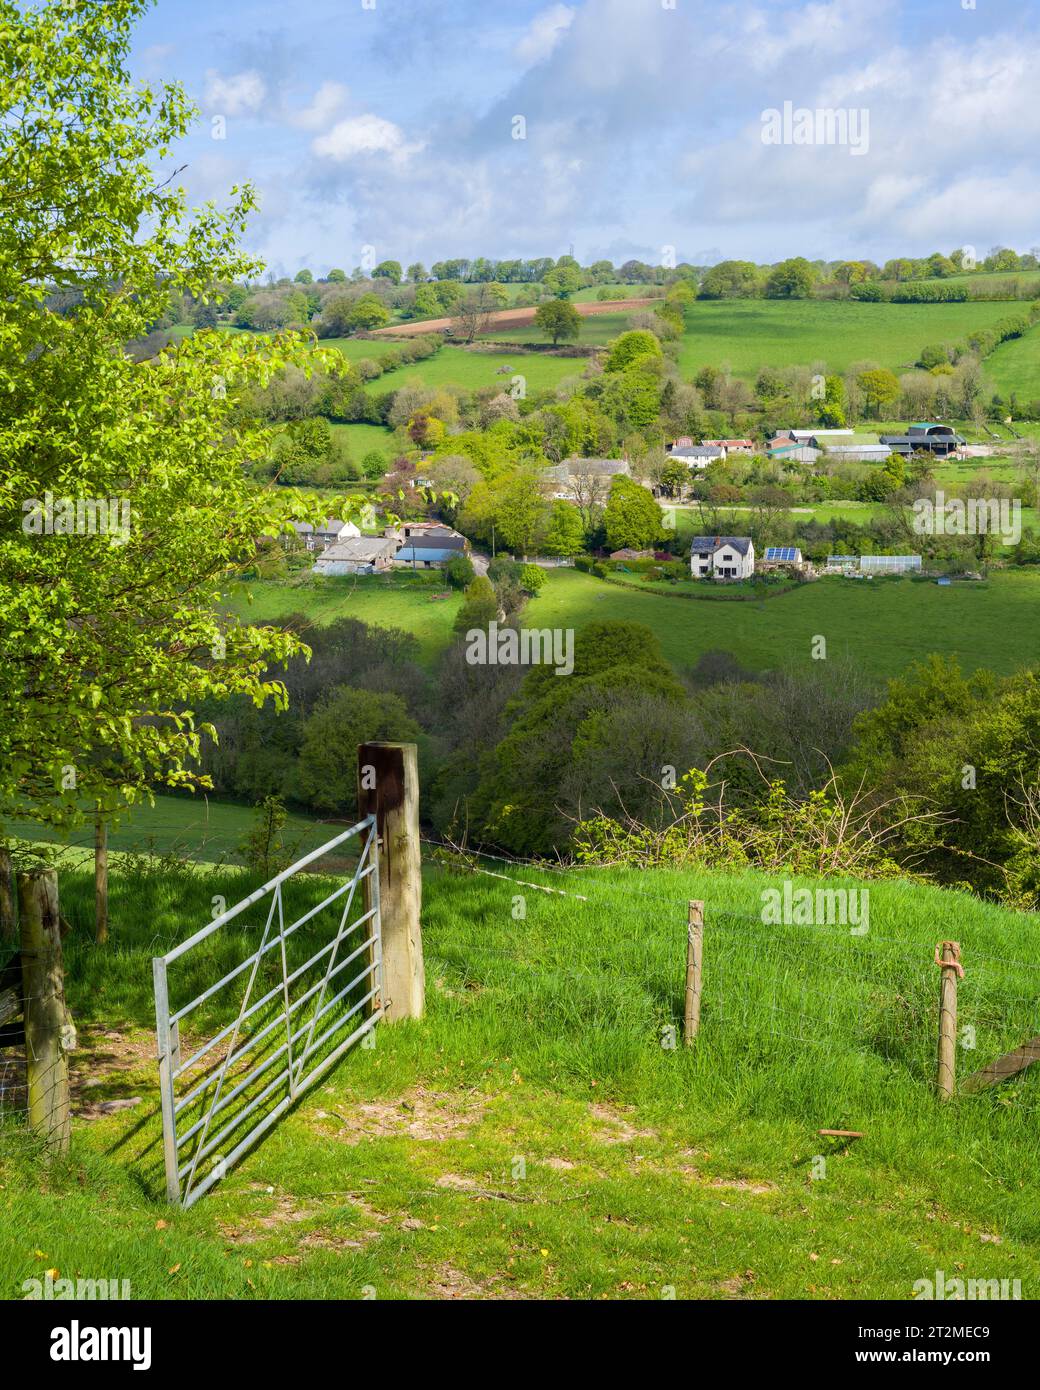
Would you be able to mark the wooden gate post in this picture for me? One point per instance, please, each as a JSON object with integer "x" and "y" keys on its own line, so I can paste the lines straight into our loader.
{"x": 694, "y": 964}
{"x": 388, "y": 786}
{"x": 47, "y": 1025}
{"x": 946, "y": 1068}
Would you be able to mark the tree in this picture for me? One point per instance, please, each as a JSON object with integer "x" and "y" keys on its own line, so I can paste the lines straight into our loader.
{"x": 532, "y": 578}
{"x": 479, "y": 607}
{"x": 791, "y": 279}
{"x": 627, "y": 347}
{"x": 113, "y": 633}
{"x": 417, "y": 272}
{"x": 633, "y": 517}
{"x": 367, "y": 313}
{"x": 880, "y": 389}
{"x": 459, "y": 571}
{"x": 731, "y": 280}
{"x": 559, "y": 320}
{"x": 388, "y": 270}
{"x": 337, "y": 276}
{"x": 326, "y": 774}
{"x": 564, "y": 280}
{"x": 565, "y": 534}
{"x": 304, "y": 277}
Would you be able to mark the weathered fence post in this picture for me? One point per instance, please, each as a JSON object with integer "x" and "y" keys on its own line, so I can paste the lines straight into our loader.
{"x": 694, "y": 963}
{"x": 48, "y": 1029}
{"x": 8, "y": 918}
{"x": 100, "y": 878}
{"x": 946, "y": 1069}
{"x": 388, "y": 787}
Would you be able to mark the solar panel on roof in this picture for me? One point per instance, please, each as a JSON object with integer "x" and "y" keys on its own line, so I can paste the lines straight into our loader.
{"x": 781, "y": 552}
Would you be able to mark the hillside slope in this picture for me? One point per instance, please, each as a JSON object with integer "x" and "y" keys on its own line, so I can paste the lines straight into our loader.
{"x": 537, "y": 1135}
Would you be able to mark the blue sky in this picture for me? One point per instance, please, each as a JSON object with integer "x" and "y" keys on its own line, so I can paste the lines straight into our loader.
{"x": 391, "y": 124}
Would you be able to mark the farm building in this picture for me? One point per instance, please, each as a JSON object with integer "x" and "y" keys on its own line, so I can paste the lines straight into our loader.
{"x": 934, "y": 439}
{"x": 326, "y": 533}
{"x": 430, "y": 550}
{"x": 790, "y": 450}
{"x": 722, "y": 557}
{"x": 809, "y": 436}
{"x": 731, "y": 446}
{"x": 359, "y": 555}
{"x": 858, "y": 451}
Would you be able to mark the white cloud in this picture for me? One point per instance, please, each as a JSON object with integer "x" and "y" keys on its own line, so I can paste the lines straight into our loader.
{"x": 543, "y": 33}
{"x": 326, "y": 101}
{"x": 364, "y": 135}
{"x": 239, "y": 94}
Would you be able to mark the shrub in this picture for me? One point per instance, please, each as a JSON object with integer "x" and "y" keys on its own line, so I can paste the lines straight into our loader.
{"x": 532, "y": 578}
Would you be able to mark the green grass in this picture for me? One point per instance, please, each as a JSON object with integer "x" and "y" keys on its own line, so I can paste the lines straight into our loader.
{"x": 197, "y": 827}
{"x": 399, "y": 602}
{"x": 362, "y": 439}
{"x": 748, "y": 334}
{"x": 531, "y": 1137}
{"x": 457, "y": 366}
{"x": 882, "y": 625}
{"x": 1015, "y": 366}
{"x": 597, "y": 329}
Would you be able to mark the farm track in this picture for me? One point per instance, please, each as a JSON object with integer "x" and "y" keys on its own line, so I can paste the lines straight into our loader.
{"x": 510, "y": 318}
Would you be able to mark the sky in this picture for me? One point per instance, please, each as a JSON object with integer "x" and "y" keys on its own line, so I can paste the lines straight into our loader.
{"x": 418, "y": 130}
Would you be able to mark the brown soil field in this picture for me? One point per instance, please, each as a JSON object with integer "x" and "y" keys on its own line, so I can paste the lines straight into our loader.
{"x": 509, "y": 318}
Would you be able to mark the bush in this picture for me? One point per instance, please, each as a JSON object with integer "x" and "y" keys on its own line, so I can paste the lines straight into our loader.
{"x": 532, "y": 578}
{"x": 459, "y": 571}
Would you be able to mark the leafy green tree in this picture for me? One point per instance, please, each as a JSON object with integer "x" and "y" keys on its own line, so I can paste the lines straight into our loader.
{"x": 304, "y": 277}
{"x": 480, "y": 606}
{"x": 627, "y": 347}
{"x": 633, "y": 516}
{"x": 563, "y": 281}
{"x": 459, "y": 571}
{"x": 791, "y": 279}
{"x": 880, "y": 389}
{"x": 113, "y": 637}
{"x": 731, "y": 280}
{"x": 326, "y": 772}
{"x": 337, "y": 276}
{"x": 565, "y": 533}
{"x": 389, "y": 270}
{"x": 558, "y": 320}
{"x": 367, "y": 313}
{"x": 417, "y": 272}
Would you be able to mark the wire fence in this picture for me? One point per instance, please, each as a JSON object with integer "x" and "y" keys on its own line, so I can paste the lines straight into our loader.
{"x": 769, "y": 986}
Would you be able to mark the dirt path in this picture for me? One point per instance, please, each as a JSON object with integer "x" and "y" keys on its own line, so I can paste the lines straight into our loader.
{"x": 510, "y": 318}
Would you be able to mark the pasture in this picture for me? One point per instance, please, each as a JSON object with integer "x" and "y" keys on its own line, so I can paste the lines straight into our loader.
{"x": 882, "y": 625}
{"x": 535, "y": 1136}
{"x": 746, "y": 335}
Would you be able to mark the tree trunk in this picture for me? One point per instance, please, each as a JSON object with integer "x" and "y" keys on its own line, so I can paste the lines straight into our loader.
{"x": 8, "y": 917}
{"x": 101, "y": 878}
{"x": 49, "y": 1034}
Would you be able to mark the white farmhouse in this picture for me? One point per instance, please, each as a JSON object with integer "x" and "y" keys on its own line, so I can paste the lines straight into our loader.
{"x": 722, "y": 557}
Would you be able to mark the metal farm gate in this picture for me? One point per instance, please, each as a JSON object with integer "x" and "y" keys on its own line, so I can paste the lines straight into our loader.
{"x": 290, "y": 1014}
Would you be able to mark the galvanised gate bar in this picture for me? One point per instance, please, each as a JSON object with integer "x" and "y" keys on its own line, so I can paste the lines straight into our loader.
{"x": 291, "y": 1010}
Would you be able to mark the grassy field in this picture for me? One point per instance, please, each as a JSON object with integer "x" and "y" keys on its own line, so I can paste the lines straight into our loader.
{"x": 536, "y": 1135}
{"x": 188, "y": 827}
{"x": 748, "y": 334}
{"x": 1015, "y": 366}
{"x": 456, "y": 366}
{"x": 362, "y": 439}
{"x": 883, "y": 625}
{"x": 598, "y": 329}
